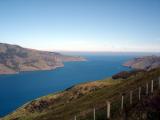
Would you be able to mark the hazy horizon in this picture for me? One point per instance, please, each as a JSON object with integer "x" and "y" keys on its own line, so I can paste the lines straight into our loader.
{"x": 82, "y": 26}
{"x": 137, "y": 53}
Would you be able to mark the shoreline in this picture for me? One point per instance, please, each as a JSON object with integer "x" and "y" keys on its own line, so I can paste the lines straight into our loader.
{"x": 80, "y": 92}
{"x": 54, "y": 68}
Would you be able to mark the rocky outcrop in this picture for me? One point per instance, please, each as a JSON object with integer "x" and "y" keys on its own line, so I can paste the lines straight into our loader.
{"x": 144, "y": 63}
{"x": 14, "y": 59}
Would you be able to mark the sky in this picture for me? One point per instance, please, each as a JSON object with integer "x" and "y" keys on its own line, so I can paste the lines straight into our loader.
{"x": 82, "y": 25}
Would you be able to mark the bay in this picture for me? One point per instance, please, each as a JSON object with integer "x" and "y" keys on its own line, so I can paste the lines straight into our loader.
{"x": 17, "y": 89}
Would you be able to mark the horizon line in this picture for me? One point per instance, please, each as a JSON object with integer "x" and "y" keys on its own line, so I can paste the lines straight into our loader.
{"x": 85, "y": 51}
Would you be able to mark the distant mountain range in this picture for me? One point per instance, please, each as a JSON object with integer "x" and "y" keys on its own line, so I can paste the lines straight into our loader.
{"x": 144, "y": 63}
{"x": 14, "y": 59}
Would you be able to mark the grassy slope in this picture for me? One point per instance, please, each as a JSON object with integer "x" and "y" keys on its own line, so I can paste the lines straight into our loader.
{"x": 80, "y": 100}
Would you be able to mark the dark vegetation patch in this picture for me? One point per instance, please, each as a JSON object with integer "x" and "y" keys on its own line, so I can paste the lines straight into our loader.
{"x": 127, "y": 74}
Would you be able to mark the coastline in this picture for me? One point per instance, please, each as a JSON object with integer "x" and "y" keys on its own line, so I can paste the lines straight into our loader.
{"x": 79, "y": 97}
{"x": 75, "y": 82}
{"x": 45, "y": 69}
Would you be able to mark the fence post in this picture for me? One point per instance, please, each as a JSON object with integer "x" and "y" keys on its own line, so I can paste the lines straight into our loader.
{"x": 131, "y": 94}
{"x": 94, "y": 114}
{"x": 108, "y": 109}
{"x": 75, "y": 117}
{"x": 152, "y": 86}
{"x": 139, "y": 93}
{"x": 147, "y": 88}
{"x": 159, "y": 83}
{"x": 122, "y": 102}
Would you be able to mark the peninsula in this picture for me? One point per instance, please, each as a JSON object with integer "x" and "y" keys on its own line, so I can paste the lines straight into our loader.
{"x": 144, "y": 63}
{"x": 14, "y": 59}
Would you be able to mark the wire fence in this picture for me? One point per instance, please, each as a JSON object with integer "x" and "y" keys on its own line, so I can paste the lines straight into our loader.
{"x": 122, "y": 102}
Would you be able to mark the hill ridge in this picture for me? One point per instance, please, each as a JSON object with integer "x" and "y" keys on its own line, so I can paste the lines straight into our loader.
{"x": 14, "y": 59}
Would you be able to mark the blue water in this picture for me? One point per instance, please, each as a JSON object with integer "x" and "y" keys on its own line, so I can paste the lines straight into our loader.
{"x": 15, "y": 90}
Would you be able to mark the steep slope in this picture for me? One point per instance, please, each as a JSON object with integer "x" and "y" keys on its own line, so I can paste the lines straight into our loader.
{"x": 14, "y": 59}
{"x": 144, "y": 63}
{"x": 147, "y": 109}
{"x": 81, "y": 99}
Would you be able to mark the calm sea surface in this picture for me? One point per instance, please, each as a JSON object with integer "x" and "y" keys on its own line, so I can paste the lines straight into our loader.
{"x": 15, "y": 90}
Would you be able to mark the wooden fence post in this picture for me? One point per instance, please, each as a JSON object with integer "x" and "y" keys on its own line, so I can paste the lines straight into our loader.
{"x": 108, "y": 109}
{"x": 139, "y": 93}
{"x": 146, "y": 88}
{"x": 152, "y": 86}
{"x": 94, "y": 114}
{"x": 159, "y": 82}
{"x": 122, "y": 102}
{"x": 75, "y": 117}
{"x": 131, "y": 94}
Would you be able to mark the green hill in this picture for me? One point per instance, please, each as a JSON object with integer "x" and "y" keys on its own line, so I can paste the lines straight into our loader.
{"x": 80, "y": 100}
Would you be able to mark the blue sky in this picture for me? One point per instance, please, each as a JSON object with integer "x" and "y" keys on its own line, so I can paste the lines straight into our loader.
{"x": 81, "y": 25}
